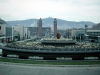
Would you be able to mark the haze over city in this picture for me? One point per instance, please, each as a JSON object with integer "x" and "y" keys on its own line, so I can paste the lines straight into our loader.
{"x": 71, "y": 10}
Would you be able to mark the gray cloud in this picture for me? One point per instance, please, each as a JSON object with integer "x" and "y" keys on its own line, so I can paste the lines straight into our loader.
{"x": 75, "y": 10}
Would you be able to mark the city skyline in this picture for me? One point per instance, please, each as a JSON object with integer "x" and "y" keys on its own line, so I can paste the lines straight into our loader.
{"x": 71, "y": 10}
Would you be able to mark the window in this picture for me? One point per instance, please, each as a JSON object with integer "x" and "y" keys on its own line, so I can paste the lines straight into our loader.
{"x": 98, "y": 33}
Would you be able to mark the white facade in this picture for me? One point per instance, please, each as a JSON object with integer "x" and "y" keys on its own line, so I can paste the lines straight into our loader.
{"x": 73, "y": 33}
{"x": 26, "y": 30}
{"x": 27, "y": 33}
{"x": 76, "y": 32}
{"x": 93, "y": 32}
{"x": 20, "y": 30}
{"x": 13, "y": 32}
{"x": 94, "y": 35}
{"x": 3, "y": 29}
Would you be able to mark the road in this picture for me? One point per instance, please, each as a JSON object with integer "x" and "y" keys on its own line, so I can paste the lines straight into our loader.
{"x": 22, "y": 69}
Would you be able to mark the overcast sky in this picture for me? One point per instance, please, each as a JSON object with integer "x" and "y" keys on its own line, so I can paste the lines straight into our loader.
{"x": 71, "y": 10}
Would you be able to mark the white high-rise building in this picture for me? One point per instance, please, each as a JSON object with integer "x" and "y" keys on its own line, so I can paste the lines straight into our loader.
{"x": 23, "y": 31}
{"x": 6, "y": 32}
{"x": 20, "y": 30}
{"x": 3, "y": 29}
{"x": 27, "y": 33}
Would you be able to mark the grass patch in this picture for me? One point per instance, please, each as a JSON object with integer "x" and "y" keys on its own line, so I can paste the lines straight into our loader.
{"x": 50, "y": 62}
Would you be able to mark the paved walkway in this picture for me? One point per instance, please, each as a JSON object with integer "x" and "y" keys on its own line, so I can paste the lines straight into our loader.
{"x": 22, "y": 69}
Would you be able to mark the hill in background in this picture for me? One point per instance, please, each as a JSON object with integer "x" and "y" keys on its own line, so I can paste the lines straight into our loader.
{"x": 96, "y": 27}
{"x": 2, "y": 21}
{"x": 48, "y": 22}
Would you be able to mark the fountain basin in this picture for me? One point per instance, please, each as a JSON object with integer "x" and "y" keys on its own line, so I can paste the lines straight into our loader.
{"x": 58, "y": 42}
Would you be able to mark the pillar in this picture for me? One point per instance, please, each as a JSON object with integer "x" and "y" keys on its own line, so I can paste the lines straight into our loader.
{"x": 55, "y": 27}
{"x": 40, "y": 28}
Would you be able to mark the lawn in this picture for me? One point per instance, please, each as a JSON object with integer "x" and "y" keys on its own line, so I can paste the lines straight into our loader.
{"x": 30, "y": 61}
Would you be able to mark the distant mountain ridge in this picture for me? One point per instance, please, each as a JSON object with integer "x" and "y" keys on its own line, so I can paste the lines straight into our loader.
{"x": 96, "y": 27}
{"x": 2, "y": 21}
{"x": 48, "y": 22}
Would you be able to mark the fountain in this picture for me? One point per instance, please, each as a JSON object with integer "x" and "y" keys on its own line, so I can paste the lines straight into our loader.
{"x": 58, "y": 41}
{"x": 51, "y": 48}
